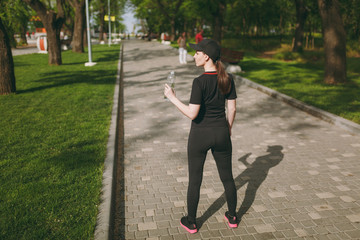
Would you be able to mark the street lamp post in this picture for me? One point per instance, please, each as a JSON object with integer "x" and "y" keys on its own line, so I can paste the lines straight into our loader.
{"x": 109, "y": 23}
{"x": 90, "y": 63}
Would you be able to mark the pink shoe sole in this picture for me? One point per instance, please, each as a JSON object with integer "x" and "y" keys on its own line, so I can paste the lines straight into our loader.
{"x": 187, "y": 229}
{"x": 231, "y": 225}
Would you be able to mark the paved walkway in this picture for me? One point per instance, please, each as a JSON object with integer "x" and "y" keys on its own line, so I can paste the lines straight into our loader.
{"x": 297, "y": 177}
{"x": 31, "y": 48}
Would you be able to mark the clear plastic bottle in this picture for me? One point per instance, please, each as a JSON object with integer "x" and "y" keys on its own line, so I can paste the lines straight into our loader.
{"x": 171, "y": 81}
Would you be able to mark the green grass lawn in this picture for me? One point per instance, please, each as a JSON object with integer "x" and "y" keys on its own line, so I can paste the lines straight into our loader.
{"x": 53, "y": 139}
{"x": 303, "y": 80}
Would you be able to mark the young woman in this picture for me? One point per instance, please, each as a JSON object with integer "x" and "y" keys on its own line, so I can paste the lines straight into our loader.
{"x": 210, "y": 128}
{"x": 182, "y": 48}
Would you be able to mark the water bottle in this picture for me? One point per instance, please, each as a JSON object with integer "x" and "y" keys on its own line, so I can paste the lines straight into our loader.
{"x": 171, "y": 81}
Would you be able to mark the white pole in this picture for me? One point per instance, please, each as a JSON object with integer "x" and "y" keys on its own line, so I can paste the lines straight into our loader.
{"x": 90, "y": 63}
{"x": 109, "y": 23}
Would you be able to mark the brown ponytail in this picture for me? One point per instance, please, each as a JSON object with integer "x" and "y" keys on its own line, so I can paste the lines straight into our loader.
{"x": 224, "y": 83}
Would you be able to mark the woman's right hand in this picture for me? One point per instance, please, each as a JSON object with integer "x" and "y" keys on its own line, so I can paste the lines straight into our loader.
{"x": 169, "y": 92}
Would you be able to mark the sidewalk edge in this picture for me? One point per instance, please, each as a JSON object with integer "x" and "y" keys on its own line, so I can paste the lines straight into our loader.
{"x": 323, "y": 115}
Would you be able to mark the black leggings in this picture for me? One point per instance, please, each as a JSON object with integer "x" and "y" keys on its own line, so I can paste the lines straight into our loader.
{"x": 200, "y": 141}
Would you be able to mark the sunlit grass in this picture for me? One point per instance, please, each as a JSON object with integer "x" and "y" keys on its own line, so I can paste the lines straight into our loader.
{"x": 304, "y": 81}
{"x": 53, "y": 144}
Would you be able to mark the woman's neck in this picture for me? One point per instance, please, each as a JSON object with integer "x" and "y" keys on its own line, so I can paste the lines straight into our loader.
{"x": 210, "y": 68}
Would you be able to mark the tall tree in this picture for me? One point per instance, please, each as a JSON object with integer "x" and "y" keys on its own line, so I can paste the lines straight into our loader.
{"x": 79, "y": 25}
{"x": 334, "y": 41}
{"x": 7, "y": 76}
{"x": 16, "y": 15}
{"x": 68, "y": 26}
{"x": 160, "y": 15}
{"x": 211, "y": 13}
{"x": 170, "y": 9}
{"x": 351, "y": 18}
{"x": 301, "y": 14}
{"x": 100, "y": 5}
{"x": 53, "y": 19}
{"x": 218, "y": 16}
{"x": 117, "y": 8}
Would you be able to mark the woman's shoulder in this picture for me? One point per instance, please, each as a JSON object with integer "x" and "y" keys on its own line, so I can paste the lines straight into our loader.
{"x": 198, "y": 79}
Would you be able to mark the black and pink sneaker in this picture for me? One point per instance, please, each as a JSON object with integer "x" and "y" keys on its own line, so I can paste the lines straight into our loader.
{"x": 232, "y": 220}
{"x": 190, "y": 227}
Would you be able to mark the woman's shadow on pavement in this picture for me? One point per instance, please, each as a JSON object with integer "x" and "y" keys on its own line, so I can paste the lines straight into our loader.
{"x": 254, "y": 175}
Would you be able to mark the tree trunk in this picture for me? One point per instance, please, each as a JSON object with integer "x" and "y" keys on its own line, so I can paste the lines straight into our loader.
{"x": 53, "y": 23}
{"x": 12, "y": 40}
{"x": 218, "y": 22}
{"x": 85, "y": 44}
{"x": 7, "y": 76}
{"x": 172, "y": 38}
{"x": 301, "y": 14}
{"x": 79, "y": 25}
{"x": 102, "y": 22}
{"x": 23, "y": 38}
{"x": 53, "y": 40}
{"x": 69, "y": 22}
{"x": 334, "y": 42}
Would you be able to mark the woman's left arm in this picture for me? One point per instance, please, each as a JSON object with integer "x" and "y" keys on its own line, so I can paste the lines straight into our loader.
{"x": 191, "y": 110}
{"x": 231, "y": 112}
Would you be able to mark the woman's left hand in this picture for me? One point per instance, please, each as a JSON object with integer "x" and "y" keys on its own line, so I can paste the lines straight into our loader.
{"x": 169, "y": 92}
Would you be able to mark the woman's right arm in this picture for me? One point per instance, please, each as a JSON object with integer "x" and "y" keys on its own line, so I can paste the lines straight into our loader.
{"x": 191, "y": 110}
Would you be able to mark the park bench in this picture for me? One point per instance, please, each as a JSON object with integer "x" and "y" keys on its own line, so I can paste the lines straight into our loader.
{"x": 231, "y": 56}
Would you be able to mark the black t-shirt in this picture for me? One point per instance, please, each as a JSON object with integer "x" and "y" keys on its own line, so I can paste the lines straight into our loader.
{"x": 205, "y": 92}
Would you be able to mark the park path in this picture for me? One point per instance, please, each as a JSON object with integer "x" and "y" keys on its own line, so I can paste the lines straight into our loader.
{"x": 297, "y": 177}
{"x": 31, "y": 48}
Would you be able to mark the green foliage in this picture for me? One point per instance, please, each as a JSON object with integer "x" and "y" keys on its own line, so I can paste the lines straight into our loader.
{"x": 304, "y": 81}
{"x": 53, "y": 144}
{"x": 351, "y": 17}
{"x": 15, "y": 15}
{"x": 305, "y": 56}
{"x": 353, "y": 48}
{"x": 287, "y": 55}
{"x": 158, "y": 14}
{"x": 259, "y": 17}
{"x": 258, "y": 44}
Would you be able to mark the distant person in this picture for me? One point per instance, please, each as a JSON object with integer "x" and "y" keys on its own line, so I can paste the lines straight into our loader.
{"x": 199, "y": 36}
{"x": 210, "y": 129}
{"x": 182, "y": 48}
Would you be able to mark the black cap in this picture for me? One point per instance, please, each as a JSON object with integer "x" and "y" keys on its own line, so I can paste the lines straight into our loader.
{"x": 209, "y": 47}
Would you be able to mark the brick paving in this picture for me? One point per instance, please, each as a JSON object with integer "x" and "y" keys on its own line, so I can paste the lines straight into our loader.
{"x": 297, "y": 176}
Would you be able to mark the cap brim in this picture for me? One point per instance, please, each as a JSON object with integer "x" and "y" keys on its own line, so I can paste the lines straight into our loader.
{"x": 195, "y": 47}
